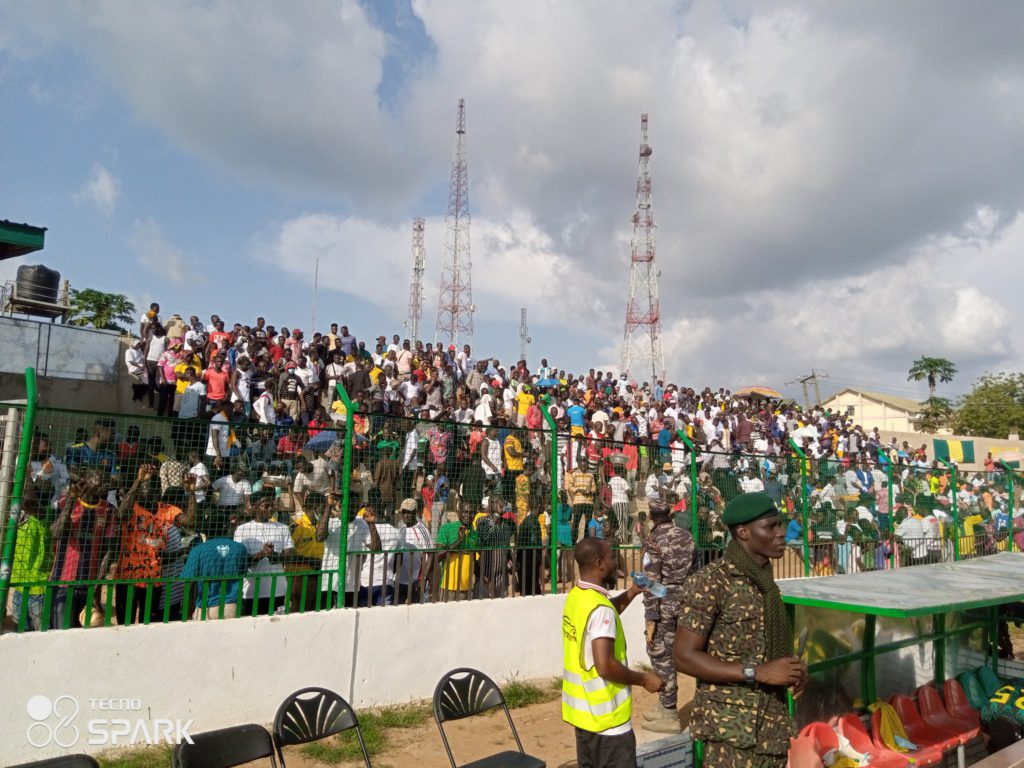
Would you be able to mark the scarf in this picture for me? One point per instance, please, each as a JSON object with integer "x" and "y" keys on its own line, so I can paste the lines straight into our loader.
{"x": 777, "y": 631}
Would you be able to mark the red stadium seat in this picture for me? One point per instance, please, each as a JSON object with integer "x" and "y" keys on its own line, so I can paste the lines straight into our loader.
{"x": 926, "y": 754}
{"x": 957, "y": 704}
{"x": 853, "y": 729}
{"x": 920, "y": 732}
{"x": 933, "y": 712}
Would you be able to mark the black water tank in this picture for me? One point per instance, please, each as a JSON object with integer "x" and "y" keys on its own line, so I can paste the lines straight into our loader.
{"x": 37, "y": 283}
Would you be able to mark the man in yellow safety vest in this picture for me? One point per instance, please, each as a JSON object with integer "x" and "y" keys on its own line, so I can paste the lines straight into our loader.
{"x": 596, "y": 677}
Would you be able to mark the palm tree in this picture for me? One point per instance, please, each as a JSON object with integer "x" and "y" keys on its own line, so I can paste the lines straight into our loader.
{"x": 106, "y": 311}
{"x": 932, "y": 369}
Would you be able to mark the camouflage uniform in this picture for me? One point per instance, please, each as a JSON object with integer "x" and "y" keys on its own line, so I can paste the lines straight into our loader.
{"x": 742, "y": 724}
{"x": 668, "y": 556}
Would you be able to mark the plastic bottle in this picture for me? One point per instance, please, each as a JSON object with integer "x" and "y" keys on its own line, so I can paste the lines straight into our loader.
{"x": 655, "y": 589}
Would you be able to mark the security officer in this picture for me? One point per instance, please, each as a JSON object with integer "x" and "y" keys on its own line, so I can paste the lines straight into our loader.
{"x": 734, "y": 636}
{"x": 596, "y": 677}
{"x": 668, "y": 557}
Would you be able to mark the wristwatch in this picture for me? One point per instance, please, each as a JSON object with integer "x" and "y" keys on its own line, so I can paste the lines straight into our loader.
{"x": 749, "y": 672}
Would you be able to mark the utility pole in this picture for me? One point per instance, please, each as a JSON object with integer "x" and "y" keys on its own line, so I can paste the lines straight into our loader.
{"x": 455, "y": 305}
{"x": 812, "y": 378}
{"x": 641, "y": 341}
{"x": 524, "y": 334}
{"x": 419, "y": 262}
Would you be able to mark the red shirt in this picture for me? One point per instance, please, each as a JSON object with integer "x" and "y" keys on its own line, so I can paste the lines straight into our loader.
{"x": 216, "y": 383}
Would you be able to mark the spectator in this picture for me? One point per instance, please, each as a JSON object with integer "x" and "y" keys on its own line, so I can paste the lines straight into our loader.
{"x": 270, "y": 546}
{"x": 413, "y": 561}
{"x": 214, "y": 570}
{"x": 457, "y": 540}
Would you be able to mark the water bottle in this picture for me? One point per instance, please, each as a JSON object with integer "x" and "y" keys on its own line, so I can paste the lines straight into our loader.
{"x": 655, "y": 589}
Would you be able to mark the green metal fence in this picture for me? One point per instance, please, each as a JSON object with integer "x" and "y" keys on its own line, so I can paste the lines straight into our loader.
{"x": 124, "y": 519}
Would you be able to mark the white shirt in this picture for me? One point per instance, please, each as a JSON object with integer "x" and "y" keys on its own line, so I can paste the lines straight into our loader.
{"x": 601, "y": 624}
{"x": 410, "y": 458}
{"x": 358, "y": 541}
{"x": 202, "y": 476}
{"x": 409, "y": 563}
{"x": 264, "y": 408}
{"x": 254, "y": 535}
{"x": 378, "y": 567}
{"x": 157, "y": 345}
{"x": 231, "y": 493}
{"x": 57, "y": 475}
{"x": 220, "y": 425}
{"x": 135, "y": 361}
{"x": 751, "y": 484}
{"x": 620, "y": 490}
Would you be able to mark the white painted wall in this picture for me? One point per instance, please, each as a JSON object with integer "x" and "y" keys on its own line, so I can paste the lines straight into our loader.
{"x": 237, "y": 671}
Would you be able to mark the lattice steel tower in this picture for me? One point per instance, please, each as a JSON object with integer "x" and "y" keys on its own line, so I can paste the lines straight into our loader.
{"x": 455, "y": 304}
{"x": 524, "y": 334}
{"x": 641, "y": 343}
{"x": 419, "y": 261}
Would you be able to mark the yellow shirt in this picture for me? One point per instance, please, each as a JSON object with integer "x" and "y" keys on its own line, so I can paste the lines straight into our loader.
{"x": 181, "y": 383}
{"x": 514, "y": 463}
{"x": 524, "y": 400}
{"x": 304, "y": 538}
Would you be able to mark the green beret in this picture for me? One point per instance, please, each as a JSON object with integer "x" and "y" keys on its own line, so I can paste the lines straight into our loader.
{"x": 748, "y": 507}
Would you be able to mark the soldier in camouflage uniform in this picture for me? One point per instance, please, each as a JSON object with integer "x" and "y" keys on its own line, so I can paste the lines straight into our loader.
{"x": 668, "y": 557}
{"x": 735, "y": 638}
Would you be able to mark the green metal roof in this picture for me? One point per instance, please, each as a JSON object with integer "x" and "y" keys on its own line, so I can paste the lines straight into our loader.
{"x": 19, "y": 239}
{"x": 920, "y": 590}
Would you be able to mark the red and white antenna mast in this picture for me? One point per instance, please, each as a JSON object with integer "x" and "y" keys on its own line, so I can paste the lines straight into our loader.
{"x": 641, "y": 344}
{"x": 455, "y": 305}
{"x": 419, "y": 261}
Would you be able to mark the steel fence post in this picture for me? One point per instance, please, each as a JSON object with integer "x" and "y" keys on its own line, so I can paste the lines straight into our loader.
{"x": 14, "y": 512}
{"x": 1010, "y": 477}
{"x": 553, "y": 517}
{"x": 346, "y": 484}
{"x": 803, "y": 503}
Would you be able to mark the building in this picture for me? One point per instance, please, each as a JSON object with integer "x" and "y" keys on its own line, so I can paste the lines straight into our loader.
{"x": 888, "y": 413}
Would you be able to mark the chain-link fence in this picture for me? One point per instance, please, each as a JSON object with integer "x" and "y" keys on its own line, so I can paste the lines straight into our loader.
{"x": 140, "y": 519}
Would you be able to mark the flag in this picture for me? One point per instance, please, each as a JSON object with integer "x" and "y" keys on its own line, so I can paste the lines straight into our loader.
{"x": 960, "y": 451}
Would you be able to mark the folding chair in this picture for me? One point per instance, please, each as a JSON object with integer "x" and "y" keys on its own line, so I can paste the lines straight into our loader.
{"x": 225, "y": 748}
{"x": 466, "y": 692}
{"x": 65, "y": 761}
{"x": 311, "y": 714}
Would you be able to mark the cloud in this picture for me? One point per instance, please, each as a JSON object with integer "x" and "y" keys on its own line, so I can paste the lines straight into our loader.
{"x": 155, "y": 253}
{"x": 102, "y": 191}
{"x": 835, "y": 185}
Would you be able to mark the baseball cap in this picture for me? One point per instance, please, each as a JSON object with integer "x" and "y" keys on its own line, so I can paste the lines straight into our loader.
{"x": 667, "y": 465}
{"x": 408, "y": 505}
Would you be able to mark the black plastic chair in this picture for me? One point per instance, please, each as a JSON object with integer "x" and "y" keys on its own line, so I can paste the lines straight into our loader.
{"x": 225, "y": 748}
{"x": 312, "y": 714}
{"x": 465, "y": 692}
{"x": 65, "y": 761}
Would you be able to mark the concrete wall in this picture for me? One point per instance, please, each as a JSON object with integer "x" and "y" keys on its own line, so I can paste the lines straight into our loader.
{"x": 80, "y": 368}
{"x": 236, "y": 671}
{"x": 871, "y": 413}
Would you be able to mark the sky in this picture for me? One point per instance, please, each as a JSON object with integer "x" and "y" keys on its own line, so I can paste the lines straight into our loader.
{"x": 837, "y": 186}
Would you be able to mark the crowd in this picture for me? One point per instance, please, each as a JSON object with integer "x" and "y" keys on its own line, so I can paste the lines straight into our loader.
{"x": 233, "y": 503}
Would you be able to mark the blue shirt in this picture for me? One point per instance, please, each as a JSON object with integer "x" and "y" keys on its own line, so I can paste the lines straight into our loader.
{"x": 217, "y": 559}
{"x": 82, "y": 455}
{"x": 794, "y": 531}
{"x": 575, "y": 414}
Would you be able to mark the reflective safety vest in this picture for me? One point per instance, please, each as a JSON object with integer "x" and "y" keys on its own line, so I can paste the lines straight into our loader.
{"x": 590, "y": 702}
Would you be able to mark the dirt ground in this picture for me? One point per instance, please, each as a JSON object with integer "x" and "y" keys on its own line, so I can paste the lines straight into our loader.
{"x": 540, "y": 727}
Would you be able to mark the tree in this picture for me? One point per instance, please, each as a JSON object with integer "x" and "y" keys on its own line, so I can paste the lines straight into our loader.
{"x": 935, "y": 413}
{"x": 107, "y": 311}
{"x": 994, "y": 408}
{"x": 932, "y": 369}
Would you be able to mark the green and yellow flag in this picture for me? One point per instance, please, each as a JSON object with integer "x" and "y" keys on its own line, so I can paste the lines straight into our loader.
{"x": 960, "y": 451}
